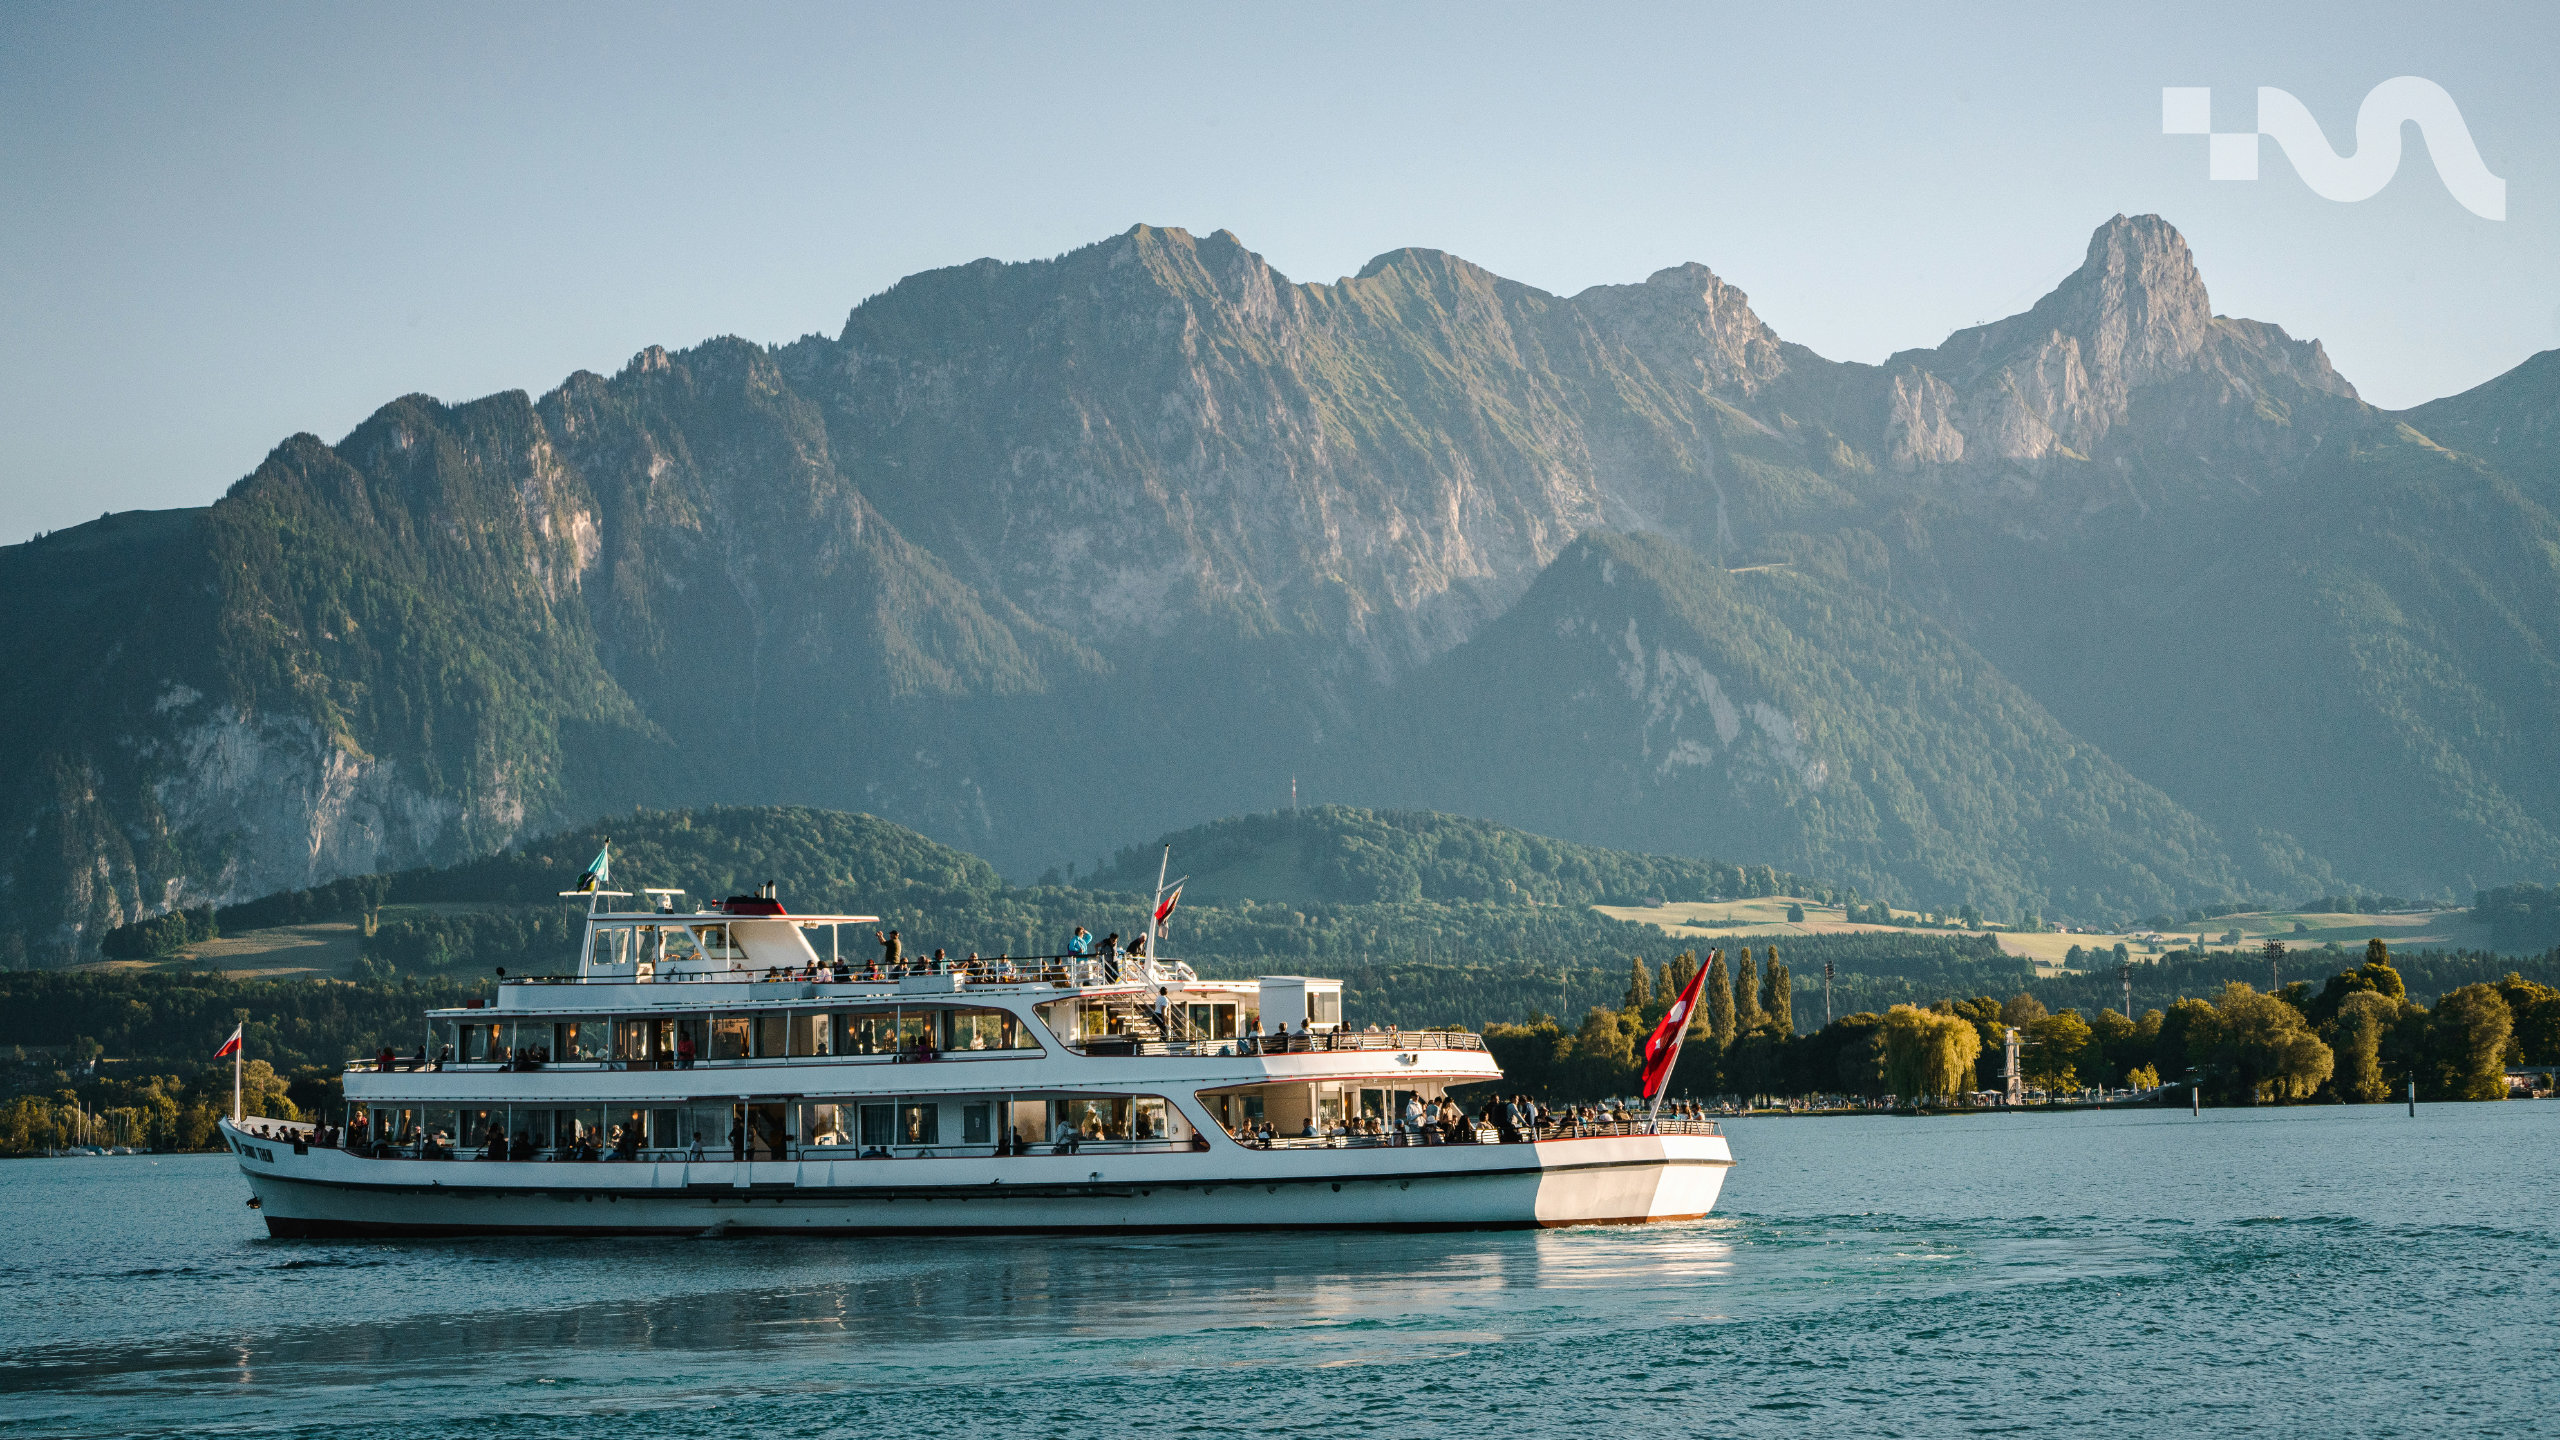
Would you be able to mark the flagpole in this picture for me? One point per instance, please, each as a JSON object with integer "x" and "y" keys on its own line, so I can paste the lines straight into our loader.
{"x": 238, "y": 1052}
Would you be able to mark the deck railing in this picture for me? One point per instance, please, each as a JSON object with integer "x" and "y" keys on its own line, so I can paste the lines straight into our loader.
{"x": 1313, "y": 1043}
{"x": 985, "y": 970}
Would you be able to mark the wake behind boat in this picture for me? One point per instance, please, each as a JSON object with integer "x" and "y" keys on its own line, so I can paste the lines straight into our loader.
{"x": 729, "y": 1069}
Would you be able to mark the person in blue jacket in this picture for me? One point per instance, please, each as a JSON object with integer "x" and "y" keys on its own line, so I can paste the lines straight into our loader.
{"x": 1080, "y": 943}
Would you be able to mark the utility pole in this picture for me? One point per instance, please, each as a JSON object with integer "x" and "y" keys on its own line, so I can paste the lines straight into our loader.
{"x": 1826, "y": 992}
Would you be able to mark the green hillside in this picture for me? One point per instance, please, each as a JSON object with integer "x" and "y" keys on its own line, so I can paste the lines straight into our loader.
{"x": 1818, "y": 719}
{"x": 1343, "y": 854}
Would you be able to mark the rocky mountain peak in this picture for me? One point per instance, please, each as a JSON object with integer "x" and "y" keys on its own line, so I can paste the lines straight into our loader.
{"x": 2135, "y": 311}
{"x": 1686, "y": 321}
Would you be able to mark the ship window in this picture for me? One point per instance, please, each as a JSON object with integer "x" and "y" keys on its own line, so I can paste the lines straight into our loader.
{"x": 444, "y": 1126}
{"x": 631, "y": 1039}
{"x": 525, "y": 1037}
{"x": 728, "y": 1037}
{"x": 1093, "y": 1117}
{"x": 1324, "y": 1007}
{"x": 571, "y": 1128}
{"x": 530, "y": 1127}
{"x": 977, "y": 1124}
{"x": 984, "y": 1030}
{"x": 666, "y": 1130}
{"x": 477, "y": 1042}
{"x": 772, "y": 1033}
{"x": 710, "y": 1124}
{"x": 1069, "y": 1019}
{"x": 811, "y": 1033}
{"x": 585, "y": 1039}
{"x": 866, "y": 1032}
{"x": 915, "y": 1029}
{"x": 824, "y": 1125}
{"x": 879, "y": 1125}
{"x": 920, "y": 1124}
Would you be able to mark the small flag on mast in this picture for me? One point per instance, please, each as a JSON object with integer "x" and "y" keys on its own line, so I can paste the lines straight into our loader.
{"x": 1164, "y": 907}
{"x": 232, "y": 1045}
{"x": 599, "y": 874}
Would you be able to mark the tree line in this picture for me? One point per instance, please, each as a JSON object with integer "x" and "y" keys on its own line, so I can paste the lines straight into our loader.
{"x": 2358, "y": 1038}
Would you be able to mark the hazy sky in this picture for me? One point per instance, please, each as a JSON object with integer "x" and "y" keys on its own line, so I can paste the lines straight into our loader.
{"x": 220, "y": 225}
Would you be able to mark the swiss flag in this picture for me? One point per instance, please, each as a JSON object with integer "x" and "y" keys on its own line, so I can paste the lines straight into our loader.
{"x": 1663, "y": 1046}
{"x": 1164, "y": 907}
{"x": 232, "y": 1045}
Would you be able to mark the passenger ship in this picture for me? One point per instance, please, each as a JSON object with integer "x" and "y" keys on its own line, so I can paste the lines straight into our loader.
{"x": 729, "y": 1070}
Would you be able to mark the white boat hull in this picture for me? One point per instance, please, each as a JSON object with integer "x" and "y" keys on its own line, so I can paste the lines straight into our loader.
{"x": 1587, "y": 1181}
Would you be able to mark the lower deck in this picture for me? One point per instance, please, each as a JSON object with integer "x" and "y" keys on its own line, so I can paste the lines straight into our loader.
{"x": 1560, "y": 1179}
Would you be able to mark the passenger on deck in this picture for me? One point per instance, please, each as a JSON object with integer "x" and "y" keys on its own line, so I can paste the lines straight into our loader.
{"x": 694, "y": 1150}
{"x": 493, "y": 1146}
{"x": 737, "y": 1140}
{"x": 1412, "y": 1127}
{"x": 1111, "y": 948}
{"x": 1163, "y": 1007}
{"x": 387, "y": 1060}
{"x": 1080, "y": 943}
{"x": 1069, "y": 1139}
{"x": 892, "y": 949}
{"x": 684, "y": 1052}
{"x": 941, "y": 966}
{"x": 444, "y": 1056}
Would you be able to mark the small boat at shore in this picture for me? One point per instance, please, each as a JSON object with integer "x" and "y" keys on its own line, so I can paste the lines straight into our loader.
{"x": 728, "y": 1069}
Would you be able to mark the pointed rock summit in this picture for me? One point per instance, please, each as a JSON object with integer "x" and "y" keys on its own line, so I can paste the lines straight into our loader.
{"x": 2134, "y": 312}
{"x": 1686, "y": 321}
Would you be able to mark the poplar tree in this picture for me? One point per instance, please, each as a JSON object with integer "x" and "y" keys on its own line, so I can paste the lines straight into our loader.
{"x": 1639, "y": 987}
{"x": 1719, "y": 1000}
{"x": 1746, "y": 996}
{"x": 1781, "y": 1001}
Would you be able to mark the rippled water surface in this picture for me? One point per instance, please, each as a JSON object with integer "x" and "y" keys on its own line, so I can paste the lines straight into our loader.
{"x": 2307, "y": 1272}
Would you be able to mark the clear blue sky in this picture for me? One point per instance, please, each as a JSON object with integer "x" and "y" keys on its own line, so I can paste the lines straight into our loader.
{"x": 223, "y": 224}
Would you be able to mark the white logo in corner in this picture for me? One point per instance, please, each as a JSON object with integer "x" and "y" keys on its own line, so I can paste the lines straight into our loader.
{"x": 2188, "y": 110}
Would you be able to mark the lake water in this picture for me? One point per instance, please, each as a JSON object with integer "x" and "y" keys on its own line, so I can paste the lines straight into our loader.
{"x": 2315, "y": 1272}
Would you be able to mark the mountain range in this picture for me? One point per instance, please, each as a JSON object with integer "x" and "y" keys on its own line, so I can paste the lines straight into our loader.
{"x": 2113, "y": 606}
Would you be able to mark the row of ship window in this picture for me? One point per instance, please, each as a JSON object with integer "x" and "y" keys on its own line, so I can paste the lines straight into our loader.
{"x": 713, "y": 1036}
{"x": 854, "y": 1127}
{"x": 770, "y": 1130}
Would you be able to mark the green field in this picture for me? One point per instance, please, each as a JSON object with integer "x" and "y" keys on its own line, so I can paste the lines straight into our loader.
{"x": 1767, "y": 916}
